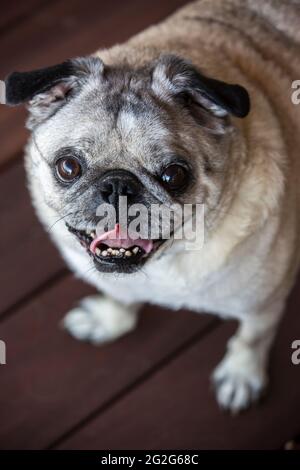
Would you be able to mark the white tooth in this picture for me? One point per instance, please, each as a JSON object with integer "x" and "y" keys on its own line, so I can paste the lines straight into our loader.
{"x": 97, "y": 251}
{"x": 104, "y": 253}
{"x": 135, "y": 250}
{"x": 110, "y": 250}
{"x": 113, "y": 252}
{"x": 122, "y": 250}
{"x": 93, "y": 235}
{"x": 128, "y": 253}
{"x": 117, "y": 252}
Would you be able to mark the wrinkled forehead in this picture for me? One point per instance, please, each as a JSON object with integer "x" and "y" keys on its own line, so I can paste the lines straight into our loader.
{"x": 109, "y": 123}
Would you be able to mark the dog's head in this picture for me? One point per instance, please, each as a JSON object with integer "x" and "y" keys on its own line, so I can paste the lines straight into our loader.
{"x": 157, "y": 135}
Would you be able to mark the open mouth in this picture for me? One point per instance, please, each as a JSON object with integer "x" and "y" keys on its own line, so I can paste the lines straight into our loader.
{"x": 113, "y": 252}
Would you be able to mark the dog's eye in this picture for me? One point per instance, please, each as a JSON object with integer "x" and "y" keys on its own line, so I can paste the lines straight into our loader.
{"x": 174, "y": 177}
{"x": 68, "y": 169}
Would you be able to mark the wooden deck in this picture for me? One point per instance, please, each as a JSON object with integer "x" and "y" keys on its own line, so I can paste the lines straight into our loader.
{"x": 150, "y": 389}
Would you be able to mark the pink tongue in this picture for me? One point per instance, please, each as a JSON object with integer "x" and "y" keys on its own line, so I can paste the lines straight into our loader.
{"x": 115, "y": 240}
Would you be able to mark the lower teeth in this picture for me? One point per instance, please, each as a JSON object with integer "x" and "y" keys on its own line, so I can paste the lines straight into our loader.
{"x": 110, "y": 252}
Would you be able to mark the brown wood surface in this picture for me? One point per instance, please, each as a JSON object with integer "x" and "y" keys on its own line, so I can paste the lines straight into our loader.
{"x": 52, "y": 382}
{"x": 28, "y": 258}
{"x": 176, "y": 408}
{"x": 16, "y": 12}
{"x": 151, "y": 388}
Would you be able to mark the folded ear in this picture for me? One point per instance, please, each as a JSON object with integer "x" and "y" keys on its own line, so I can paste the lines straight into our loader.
{"x": 175, "y": 76}
{"x": 48, "y": 89}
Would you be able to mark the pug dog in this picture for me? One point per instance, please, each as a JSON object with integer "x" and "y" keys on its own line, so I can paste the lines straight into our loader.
{"x": 165, "y": 118}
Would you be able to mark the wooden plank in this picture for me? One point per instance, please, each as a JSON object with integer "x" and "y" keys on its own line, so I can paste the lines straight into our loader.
{"x": 12, "y": 133}
{"x": 28, "y": 258}
{"x": 52, "y": 382}
{"x": 176, "y": 409}
{"x": 67, "y": 29}
{"x": 14, "y": 11}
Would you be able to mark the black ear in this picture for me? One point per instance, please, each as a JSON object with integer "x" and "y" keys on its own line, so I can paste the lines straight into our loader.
{"x": 176, "y": 76}
{"x": 45, "y": 90}
{"x": 23, "y": 86}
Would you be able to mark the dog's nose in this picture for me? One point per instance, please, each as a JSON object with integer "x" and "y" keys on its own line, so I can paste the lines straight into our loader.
{"x": 116, "y": 183}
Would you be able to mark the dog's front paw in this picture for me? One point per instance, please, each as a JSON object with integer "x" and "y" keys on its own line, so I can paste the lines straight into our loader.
{"x": 99, "y": 320}
{"x": 239, "y": 380}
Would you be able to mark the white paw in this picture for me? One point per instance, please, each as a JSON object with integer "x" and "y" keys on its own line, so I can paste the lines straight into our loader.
{"x": 239, "y": 380}
{"x": 99, "y": 320}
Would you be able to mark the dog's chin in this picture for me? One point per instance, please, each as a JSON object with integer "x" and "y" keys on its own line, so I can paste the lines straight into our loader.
{"x": 119, "y": 265}
{"x": 115, "y": 259}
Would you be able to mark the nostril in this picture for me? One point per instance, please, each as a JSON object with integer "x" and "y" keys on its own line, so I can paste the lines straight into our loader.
{"x": 125, "y": 190}
{"x": 129, "y": 190}
{"x": 106, "y": 190}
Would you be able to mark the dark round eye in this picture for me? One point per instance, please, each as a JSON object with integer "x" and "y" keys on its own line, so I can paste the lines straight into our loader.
{"x": 174, "y": 177}
{"x": 68, "y": 169}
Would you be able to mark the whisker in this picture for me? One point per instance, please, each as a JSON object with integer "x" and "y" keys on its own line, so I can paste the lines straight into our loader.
{"x": 58, "y": 220}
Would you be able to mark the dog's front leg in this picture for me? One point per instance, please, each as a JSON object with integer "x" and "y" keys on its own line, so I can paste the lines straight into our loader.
{"x": 241, "y": 377}
{"x": 100, "y": 319}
